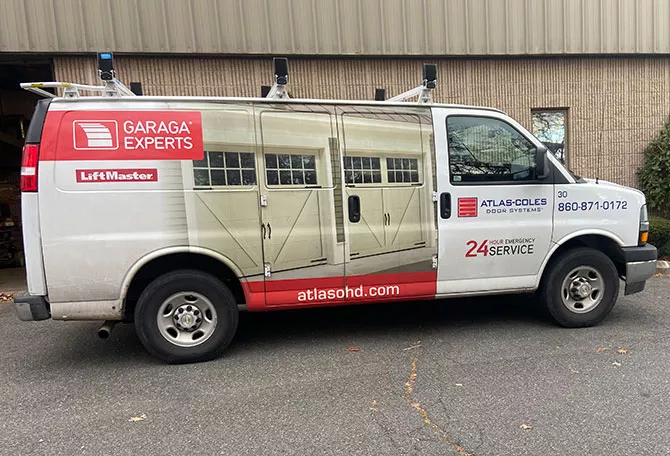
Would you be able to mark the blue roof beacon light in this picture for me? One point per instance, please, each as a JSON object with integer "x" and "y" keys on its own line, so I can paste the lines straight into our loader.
{"x": 105, "y": 66}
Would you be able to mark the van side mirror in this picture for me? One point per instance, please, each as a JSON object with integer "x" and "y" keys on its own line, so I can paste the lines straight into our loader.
{"x": 541, "y": 163}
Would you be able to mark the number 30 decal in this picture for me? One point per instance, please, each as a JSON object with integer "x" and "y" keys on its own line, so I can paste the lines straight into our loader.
{"x": 477, "y": 249}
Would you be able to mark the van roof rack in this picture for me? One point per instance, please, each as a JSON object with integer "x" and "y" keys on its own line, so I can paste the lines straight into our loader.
{"x": 111, "y": 87}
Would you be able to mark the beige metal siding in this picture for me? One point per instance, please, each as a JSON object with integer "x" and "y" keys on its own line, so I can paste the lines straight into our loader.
{"x": 337, "y": 27}
{"x": 615, "y": 105}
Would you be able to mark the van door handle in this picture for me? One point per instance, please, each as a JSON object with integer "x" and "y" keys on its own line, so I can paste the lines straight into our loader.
{"x": 354, "y": 204}
{"x": 263, "y": 230}
{"x": 269, "y": 231}
{"x": 445, "y": 205}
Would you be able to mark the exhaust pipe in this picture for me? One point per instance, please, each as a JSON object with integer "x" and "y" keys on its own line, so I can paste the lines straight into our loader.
{"x": 106, "y": 328}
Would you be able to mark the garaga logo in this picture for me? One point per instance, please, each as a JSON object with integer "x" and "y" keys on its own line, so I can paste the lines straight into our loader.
{"x": 95, "y": 134}
{"x": 117, "y": 175}
{"x": 131, "y": 135}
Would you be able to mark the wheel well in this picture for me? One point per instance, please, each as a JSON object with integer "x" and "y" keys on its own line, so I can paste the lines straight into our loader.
{"x": 598, "y": 242}
{"x": 164, "y": 264}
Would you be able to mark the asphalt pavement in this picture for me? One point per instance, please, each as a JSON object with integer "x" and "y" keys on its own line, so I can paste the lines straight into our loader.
{"x": 488, "y": 376}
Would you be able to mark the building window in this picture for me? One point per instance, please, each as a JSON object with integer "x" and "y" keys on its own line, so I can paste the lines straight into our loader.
{"x": 549, "y": 126}
{"x": 225, "y": 169}
{"x": 290, "y": 169}
{"x": 402, "y": 170}
{"x": 362, "y": 170}
{"x": 489, "y": 150}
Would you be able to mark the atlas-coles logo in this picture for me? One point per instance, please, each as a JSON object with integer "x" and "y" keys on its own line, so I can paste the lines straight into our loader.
{"x": 513, "y": 205}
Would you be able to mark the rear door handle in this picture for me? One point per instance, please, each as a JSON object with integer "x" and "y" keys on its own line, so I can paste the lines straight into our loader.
{"x": 263, "y": 230}
{"x": 445, "y": 205}
{"x": 354, "y": 204}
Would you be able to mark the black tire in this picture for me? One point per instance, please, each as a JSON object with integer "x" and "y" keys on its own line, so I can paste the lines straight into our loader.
{"x": 186, "y": 281}
{"x": 552, "y": 293}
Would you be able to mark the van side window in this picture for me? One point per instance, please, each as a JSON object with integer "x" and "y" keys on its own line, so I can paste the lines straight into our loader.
{"x": 484, "y": 150}
{"x": 290, "y": 169}
{"x": 224, "y": 169}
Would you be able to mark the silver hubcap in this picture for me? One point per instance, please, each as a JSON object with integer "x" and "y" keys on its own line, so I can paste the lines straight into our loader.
{"x": 187, "y": 319}
{"x": 582, "y": 289}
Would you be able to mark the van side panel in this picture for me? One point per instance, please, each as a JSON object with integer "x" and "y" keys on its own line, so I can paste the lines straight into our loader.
{"x": 100, "y": 214}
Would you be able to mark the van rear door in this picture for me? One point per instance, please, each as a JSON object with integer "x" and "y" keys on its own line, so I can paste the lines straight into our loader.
{"x": 30, "y": 208}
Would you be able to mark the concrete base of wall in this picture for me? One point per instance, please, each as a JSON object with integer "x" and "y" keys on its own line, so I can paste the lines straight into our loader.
{"x": 663, "y": 267}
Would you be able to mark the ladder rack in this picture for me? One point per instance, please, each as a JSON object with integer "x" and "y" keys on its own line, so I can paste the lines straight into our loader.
{"x": 112, "y": 87}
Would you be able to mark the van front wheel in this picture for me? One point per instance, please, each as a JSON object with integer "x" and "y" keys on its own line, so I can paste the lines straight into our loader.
{"x": 186, "y": 316}
{"x": 580, "y": 288}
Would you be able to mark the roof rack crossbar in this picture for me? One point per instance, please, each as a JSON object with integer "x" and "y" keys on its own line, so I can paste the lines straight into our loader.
{"x": 72, "y": 90}
{"x": 111, "y": 87}
{"x": 423, "y": 92}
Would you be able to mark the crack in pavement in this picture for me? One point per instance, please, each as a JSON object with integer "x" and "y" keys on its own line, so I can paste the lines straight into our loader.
{"x": 409, "y": 389}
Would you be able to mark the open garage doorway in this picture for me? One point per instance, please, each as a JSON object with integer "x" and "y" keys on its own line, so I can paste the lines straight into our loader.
{"x": 16, "y": 109}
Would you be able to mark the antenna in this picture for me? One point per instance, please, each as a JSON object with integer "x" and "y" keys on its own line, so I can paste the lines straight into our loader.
{"x": 278, "y": 89}
{"x": 424, "y": 90}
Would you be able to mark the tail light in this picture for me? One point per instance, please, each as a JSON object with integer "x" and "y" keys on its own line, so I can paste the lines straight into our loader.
{"x": 644, "y": 226}
{"x": 29, "y": 167}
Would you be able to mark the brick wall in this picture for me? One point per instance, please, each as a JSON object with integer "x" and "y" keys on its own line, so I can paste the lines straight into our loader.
{"x": 615, "y": 105}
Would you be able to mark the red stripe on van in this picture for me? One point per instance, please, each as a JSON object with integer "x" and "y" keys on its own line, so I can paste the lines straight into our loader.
{"x": 329, "y": 291}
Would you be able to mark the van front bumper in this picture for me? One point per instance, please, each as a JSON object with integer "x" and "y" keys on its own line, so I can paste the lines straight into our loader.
{"x": 640, "y": 265}
{"x": 32, "y": 308}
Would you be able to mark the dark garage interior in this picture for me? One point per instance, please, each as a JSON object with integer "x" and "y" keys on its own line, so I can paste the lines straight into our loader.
{"x": 16, "y": 108}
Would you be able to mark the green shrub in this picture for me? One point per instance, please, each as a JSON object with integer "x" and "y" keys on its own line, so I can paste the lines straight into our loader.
{"x": 654, "y": 176}
{"x": 659, "y": 235}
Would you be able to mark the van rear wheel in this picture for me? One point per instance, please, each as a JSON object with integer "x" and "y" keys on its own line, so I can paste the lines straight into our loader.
{"x": 186, "y": 316}
{"x": 580, "y": 288}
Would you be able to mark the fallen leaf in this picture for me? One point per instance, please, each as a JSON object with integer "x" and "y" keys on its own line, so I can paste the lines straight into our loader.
{"x": 373, "y": 405}
{"x": 622, "y": 351}
{"x": 601, "y": 349}
{"x": 526, "y": 426}
{"x": 616, "y": 363}
{"x": 352, "y": 349}
{"x": 459, "y": 384}
{"x": 135, "y": 419}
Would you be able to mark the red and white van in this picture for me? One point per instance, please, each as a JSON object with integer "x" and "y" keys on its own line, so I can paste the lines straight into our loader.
{"x": 179, "y": 212}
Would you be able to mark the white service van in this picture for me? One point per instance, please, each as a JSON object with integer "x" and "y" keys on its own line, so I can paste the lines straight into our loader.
{"x": 179, "y": 212}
